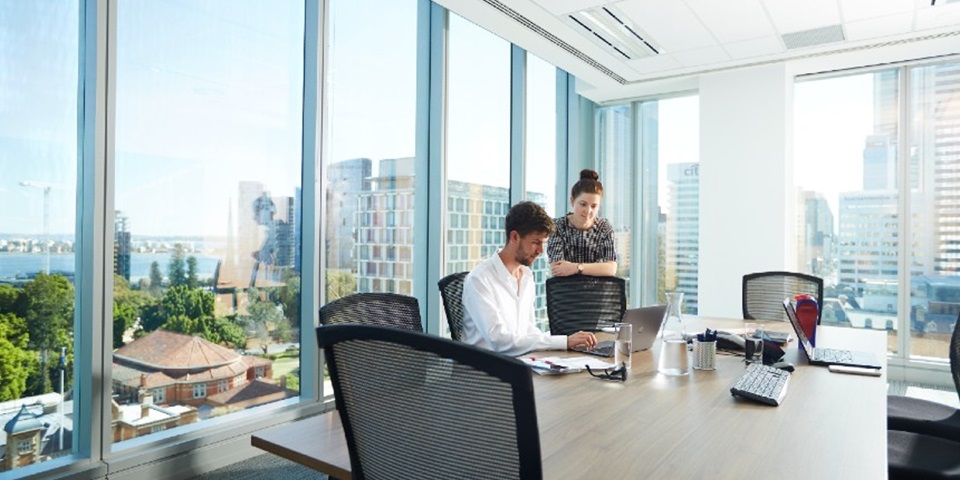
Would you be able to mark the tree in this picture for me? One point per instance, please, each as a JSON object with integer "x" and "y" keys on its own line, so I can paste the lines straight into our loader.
{"x": 192, "y": 279}
{"x": 49, "y": 316}
{"x": 156, "y": 279}
{"x": 289, "y": 297}
{"x": 127, "y": 306}
{"x": 263, "y": 317}
{"x": 340, "y": 284}
{"x": 178, "y": 300}
{"x": 11, "y": 300}
{"x": 176, "y": 269}
{"x": 17, "y": 364}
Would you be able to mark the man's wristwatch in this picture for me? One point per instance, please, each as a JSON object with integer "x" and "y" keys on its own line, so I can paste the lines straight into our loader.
{"x": 579, "y": 268}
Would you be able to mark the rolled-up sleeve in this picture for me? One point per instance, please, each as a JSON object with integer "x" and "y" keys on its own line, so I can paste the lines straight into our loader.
{"x": 487, "y": 325}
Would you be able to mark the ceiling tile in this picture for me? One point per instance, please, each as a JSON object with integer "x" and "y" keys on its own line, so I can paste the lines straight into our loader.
{"x": 853, "y": 10}
{"x": 794, "y": 16}
{"x": 654, "y": 64}
{"x": 733, "y": 20}
{"x": 701, "y": 56}
{"x": 563, "y": 7}
{"x": 756, "y": 47}
{"x": 938, "y": 16}
{"x": 879, "y": 27}
{"x": 671, "y": 25}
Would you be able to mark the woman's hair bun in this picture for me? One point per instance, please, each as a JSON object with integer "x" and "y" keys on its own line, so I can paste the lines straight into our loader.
{"x": 587, "y": 174}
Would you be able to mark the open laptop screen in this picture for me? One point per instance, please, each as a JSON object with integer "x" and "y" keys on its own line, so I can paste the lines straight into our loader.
{"x": 795, "y": 321}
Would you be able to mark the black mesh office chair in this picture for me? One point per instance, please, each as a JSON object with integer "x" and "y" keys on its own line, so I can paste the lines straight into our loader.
{"x": 418, "y": 406}
{"x": 763, "y": 293}
{"x": 926, "y": 417}
{"x": 581, "y": 302}
{"x": 914, "y": 456}
{"x": 385, "y": 309}
{"x": 451, "y": 291}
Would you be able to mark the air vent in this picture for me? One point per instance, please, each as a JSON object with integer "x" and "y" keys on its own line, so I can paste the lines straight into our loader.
{"x": 526, "y": 22}
{"x": 610, "y": 28}
{"x": 813, "y": 37}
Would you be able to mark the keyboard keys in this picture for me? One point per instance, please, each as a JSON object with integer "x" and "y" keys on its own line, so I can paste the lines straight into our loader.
{"x": 762, "y": 383}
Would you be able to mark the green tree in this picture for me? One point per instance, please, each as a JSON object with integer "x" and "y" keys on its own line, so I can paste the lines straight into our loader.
{"x": 17, "y": 364}
{"x": 49, "y": 316}
{"x": 192, "y": 279}
{"x": 176, "y": 270}
{"x": 289, "y": 297}
{"x": 178, "y": 300}
{"x": 340, "y": 284}
{"x": 156, "y": 279}
{"x": 11, "y": 300}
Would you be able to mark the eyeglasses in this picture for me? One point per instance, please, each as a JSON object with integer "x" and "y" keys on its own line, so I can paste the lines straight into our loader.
{"x": 619, "y": 373}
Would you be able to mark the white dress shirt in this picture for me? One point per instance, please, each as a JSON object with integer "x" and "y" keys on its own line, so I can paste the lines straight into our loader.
{"x": 498, "y": 313}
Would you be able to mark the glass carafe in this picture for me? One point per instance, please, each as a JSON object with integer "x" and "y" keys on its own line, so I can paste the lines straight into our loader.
{"x": 673, "y": 347}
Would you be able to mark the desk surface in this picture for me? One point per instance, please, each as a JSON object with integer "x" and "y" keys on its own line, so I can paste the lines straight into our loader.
{"x": 651, "y": 426}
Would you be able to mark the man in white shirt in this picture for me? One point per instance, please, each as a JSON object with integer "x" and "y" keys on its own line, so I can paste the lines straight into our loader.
{"x": 498, "y": 295}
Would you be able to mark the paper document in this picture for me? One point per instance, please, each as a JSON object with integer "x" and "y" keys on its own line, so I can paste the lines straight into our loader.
{"x": 561, "y": 365}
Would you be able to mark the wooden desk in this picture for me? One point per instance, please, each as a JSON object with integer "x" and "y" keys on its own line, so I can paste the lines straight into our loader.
{"x": 829, "y": 425}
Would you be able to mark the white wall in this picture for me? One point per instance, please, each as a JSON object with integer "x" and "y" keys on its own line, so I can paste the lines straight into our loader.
{"x": 745, "y": 181}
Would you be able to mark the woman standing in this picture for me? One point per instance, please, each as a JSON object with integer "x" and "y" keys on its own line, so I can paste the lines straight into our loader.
{"x": 584, "y": 242}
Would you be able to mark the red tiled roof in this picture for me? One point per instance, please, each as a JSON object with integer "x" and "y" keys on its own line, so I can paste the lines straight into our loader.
{"x": 251, "y": 391}
{"x": 165, "y": 350}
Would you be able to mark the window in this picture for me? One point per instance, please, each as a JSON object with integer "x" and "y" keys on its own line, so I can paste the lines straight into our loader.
{"x": 614, "y": 136}
{"x": 371, "y": 93}
{"x": 540, "y": 157}
{"x": 39, "y": 81}
{"x": 199, "y": 390}
{"x": 207, "y": 190}
{"x": 845, "y": 167}
{"x": 159, "y": 395}
{"x": 677, "y": 154}
{"x": 223, "y": 386}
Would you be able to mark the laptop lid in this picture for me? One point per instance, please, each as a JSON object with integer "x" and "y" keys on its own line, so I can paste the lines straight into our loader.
{"x": 646, "y": 324}
{"x": 802, "y": 339}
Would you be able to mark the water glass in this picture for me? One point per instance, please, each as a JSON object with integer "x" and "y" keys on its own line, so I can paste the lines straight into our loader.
{"x": 753, "y": 340}
{"x": 623, "y": 344}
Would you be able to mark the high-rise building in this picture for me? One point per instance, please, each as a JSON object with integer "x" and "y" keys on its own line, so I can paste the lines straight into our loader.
{"x": 879, "y": 163}
{"x": 683, "y": 232}
{"x": 346, "y": 181}
{"x": 122, "y": 247}
{"x": 474, "y": 230}
{"x": 815, "y": 235}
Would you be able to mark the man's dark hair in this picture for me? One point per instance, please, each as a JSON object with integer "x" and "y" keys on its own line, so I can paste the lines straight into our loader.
{"x": 528, "y": 217}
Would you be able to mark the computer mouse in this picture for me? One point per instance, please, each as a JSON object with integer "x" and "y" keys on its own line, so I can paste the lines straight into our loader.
{"x": 787, "y": 366}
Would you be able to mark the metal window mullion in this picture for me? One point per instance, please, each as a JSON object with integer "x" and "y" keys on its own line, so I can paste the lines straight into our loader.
{"x": 563, "y": 135}
{"x": 518, "y": 123}
{"x": 644, "y": 247}
{"x": 429, "y": 169}
{"x": 312, "y": 250}
{"x": 904, "y": 251}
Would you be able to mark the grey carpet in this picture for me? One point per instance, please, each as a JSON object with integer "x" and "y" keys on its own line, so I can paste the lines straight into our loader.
{"x": 263, "y": 466}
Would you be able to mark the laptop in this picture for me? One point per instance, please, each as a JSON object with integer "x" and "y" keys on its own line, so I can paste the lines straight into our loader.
{"x": 646, "y": 324}
{"x": 828, "y": 356}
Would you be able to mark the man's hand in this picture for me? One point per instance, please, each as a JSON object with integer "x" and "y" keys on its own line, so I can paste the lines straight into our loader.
{"x": 586, "y": 339}
{"x": 564, "y": 268}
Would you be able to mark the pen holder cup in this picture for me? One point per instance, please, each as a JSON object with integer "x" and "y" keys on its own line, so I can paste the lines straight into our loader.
{"x": 704, "y": 355}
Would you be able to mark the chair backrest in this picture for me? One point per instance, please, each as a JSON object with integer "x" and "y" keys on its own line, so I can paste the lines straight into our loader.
{"x": 955, "y": 354}
{"x": 451, "y": 291}
{"x": 385, "y": 309}
{"x": 419, "y": 406}
{"x": 763, "y": 293}
{"x": 581, "y": 302}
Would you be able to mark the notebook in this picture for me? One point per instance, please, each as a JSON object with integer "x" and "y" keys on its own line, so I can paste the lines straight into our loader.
{"x": 646, "y": 324}
{"x": 827, "y": 356}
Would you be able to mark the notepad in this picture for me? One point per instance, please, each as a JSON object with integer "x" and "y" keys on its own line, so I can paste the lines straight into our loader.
{"x": 562, "y": 365}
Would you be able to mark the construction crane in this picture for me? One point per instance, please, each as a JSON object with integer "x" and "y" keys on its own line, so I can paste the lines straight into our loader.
{"x": 46, "y": 218}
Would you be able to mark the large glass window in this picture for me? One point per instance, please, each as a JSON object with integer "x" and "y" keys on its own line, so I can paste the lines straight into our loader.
{"x": 614, "y": 137}
{"x": 540, "y": 153}
{"x": 39, "y": 79}
{"x": 371, "y": 93}
{"x": 207, "y": 225}
{"x": 477, "y": 143}
{"x": 935, "y": 207}
{"x": 678, "y": 187}
{"x": 846, "y": 141}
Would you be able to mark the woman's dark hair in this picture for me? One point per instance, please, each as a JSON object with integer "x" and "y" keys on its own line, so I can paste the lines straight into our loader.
{"x": 588, "y": 183}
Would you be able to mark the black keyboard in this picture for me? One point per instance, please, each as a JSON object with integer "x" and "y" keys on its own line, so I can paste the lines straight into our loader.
{"x": 762, "y": 383}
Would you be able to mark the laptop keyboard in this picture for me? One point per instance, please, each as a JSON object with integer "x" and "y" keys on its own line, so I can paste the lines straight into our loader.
{"x": 762, "y": 383}
{"x": 604, "y": 349}
{"x": 832, "y": 355}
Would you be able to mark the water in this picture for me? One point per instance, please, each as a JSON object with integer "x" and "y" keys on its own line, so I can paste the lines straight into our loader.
{"x": 673, "y": 357}
{"x": 622, "y": 351}
{"x": 24, "y": 265}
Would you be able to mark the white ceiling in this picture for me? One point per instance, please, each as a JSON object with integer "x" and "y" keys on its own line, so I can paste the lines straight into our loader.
{"x": 695, "y": 36}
